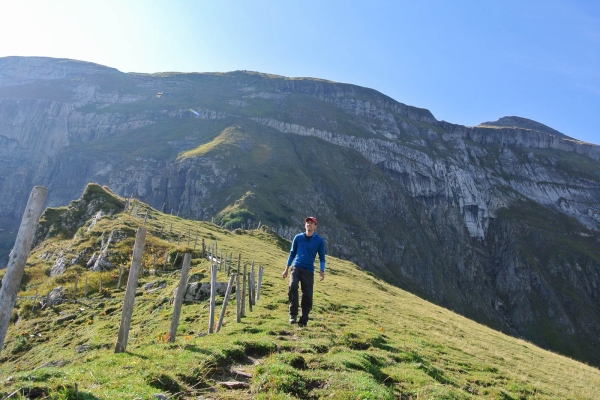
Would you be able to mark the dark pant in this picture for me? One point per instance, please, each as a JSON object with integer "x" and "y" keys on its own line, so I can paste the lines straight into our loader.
{"x": 306, "y": 279}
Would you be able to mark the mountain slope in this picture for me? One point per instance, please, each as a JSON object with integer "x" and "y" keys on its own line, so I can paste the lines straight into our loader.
{"x": 442, "y": 210}
{"x": 366, "y": 339}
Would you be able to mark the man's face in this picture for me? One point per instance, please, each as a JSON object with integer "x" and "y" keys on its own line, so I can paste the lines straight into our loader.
{"x": 310, "y": 226}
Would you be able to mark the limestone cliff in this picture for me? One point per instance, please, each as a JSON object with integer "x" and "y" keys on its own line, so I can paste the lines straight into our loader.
{"x": 498, "y": 222}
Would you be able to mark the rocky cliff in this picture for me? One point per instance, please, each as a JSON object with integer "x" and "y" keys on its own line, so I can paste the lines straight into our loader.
{"x": 498, "y": 222}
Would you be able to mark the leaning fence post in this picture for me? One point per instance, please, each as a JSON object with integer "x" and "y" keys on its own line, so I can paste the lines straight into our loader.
{"x": 187, "y": 259}
{"x": 18, "y": 257}
{"x": 213, "y": 294}
{"x": 140, "y": 240}
{"x": 225, "y": 301}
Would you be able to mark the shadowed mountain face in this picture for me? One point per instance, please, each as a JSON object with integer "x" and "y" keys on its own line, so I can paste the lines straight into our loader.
{"x": 499, "y": 223}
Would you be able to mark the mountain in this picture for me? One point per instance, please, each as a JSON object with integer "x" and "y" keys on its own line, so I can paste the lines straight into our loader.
{"x": 498, "y": 223}
{"x": 523, "y": 123}
{"x": 366, "y": 338}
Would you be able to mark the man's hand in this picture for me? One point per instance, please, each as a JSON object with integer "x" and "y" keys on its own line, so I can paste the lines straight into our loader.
{"x": 322, "y": 274}
{"x": 285, "y": 273}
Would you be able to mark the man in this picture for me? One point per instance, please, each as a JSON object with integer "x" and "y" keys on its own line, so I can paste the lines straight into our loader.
{"x": 302, "y": 259}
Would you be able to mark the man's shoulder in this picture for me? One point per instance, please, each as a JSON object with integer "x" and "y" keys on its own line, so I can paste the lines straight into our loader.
{"x": 319, "y": 238}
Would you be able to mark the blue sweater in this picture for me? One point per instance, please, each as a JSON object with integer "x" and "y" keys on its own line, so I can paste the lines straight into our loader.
{"x": 304, "y": 252}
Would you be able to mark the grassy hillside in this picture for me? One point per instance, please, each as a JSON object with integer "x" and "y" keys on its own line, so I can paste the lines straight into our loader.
{"x": 366, "y": 339}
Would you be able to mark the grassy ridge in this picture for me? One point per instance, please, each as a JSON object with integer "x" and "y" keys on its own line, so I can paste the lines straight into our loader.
{"x": 366, "y": 339}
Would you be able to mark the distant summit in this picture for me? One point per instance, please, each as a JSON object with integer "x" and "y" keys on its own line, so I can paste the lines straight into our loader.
{"x": 523, "y": 123}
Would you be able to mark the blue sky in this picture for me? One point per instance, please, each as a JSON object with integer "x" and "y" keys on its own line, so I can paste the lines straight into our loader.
{"x": 466, "y": 61}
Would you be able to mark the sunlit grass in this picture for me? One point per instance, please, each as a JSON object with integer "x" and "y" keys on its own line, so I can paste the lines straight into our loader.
{"x": 366, "y": 338}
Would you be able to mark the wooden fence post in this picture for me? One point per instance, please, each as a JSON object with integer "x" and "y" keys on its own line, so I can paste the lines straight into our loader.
{"x": 120, "y": 275}
{"x": 260, "y": 275}
{"x": 243, "y": 304}
{"x": 140, "y": 240}
{"x": 249, "y": 291}
{"x": 238, "y": 307}
{"x": 18, "y": 257}
{"x": 188, "y": 238}
{"x": 75, "y": 287}
{"x": 196, "y": 241}
{"x": 252, "y": 276}
{"x": 34, "y": 300}
{"x": 213, "y": 294}
{"x": 225, "y": 301}
{"x": 187, "y": 259}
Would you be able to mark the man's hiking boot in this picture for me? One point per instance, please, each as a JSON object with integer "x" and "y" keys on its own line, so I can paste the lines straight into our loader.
{"x": 292, "y": 319}
{"x": 301, "y": 324}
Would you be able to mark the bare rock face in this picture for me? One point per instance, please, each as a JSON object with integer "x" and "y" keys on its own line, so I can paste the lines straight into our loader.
{"x": 498, "y": 222}
{"x": 56, "y": 296}
{"x": 197, "y": 291}
{"x": 102, "y": 262}
{"x": 60, "y": 265}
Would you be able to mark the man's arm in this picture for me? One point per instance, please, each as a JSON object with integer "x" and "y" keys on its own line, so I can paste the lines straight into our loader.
{"x": 291, "y": 257}
{"x": 321, "y": 252}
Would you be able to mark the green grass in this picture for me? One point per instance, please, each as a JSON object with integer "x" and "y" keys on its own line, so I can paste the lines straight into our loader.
{"x": 366, "y": 339}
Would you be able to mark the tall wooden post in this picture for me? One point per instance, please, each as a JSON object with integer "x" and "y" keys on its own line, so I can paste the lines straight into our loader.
{"x": 213, "y": 294}
{"x": 187, "y": 259}
{"x": 140, "y": 240}
{"x": 196, "y": 241}
{"x": 18, "y": 257}
{"x": 225, "y": 301}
